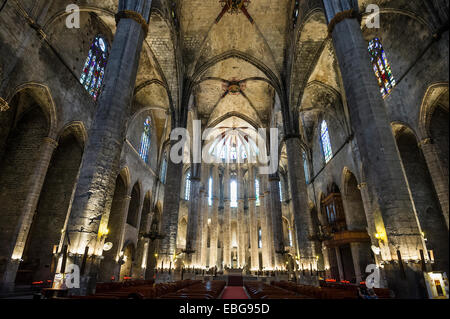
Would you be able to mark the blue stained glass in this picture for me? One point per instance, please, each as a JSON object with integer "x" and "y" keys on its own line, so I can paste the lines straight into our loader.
{"x": 326, "y": 143}
{"x": 187, "y": 193}
{"x": 94, "y": 68}
{"x": 281, "y": 191}
{"x": 164, "y": 169}
{"x": 381, "y": 67}
{"x": 258, "y": 200}
{"x": 306, "y": 167}
{"x": 145, "y": 141}
{"x": 210, "y": 186}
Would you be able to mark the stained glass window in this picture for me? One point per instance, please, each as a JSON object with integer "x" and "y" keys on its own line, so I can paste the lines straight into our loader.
{"x": 187, "y": 189}
{"x": 326, "y": 143}
{"x": 260, "y": 238}
{"x": 94, "y": 67}
{"x": 381, "y": 67}
{"x": 210, "y": 190}
{"x": 233, "y": 153}
{"x": 145, "y": 140}
{"x": 258, "y": 201}
{"x": 281, "y": 191}
{"x": 295, "y": 13}
{"x": 233, "y": 194}
{"x": 306, "y": 167}
{"x": 164, "y": 169}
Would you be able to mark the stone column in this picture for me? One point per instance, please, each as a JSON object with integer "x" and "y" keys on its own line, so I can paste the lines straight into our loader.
{"x": 360, "y": 256}
{"x": 143, "y": 245}
{"x": 339, "y": 263}
{"x": 268, "y": 247}
{"x": 381, "y": 162}
{"x": 302, "y": 217}
{"x": 439, "y": 174}
{"x": 253, "y": 225}
{"x": 110, "y": 264}
{"x": 241, "y": 218}
{"x": 169, "y": 223}
{"x": 227, "y": 219}
{"x": 263, "y": 221}
{"x": 277, "y": 219}
{"x": 101, "y": 160}
{"x": 14, "y": 252}
{"x": 215, "y": 218}
{"x": 205, "y": 214}
{"x": 202, "y": 208}
{"x": 193, "y": 217}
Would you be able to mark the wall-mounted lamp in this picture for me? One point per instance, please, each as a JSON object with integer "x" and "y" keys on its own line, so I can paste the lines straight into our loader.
{"x": 380, "y": 237}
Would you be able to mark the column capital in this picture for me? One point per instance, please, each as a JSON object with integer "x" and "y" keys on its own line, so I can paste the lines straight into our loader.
{"x": 425, "y": 141}
{"x": 350, "y": 13}
{"x": 4, "y": 106}
{"x": 133, "y": 15}
{"x": 292, "y": 136}
{"x": 274, "y": 179}
{"x": 362, "y": 185}
{"x": 50, "y": 141}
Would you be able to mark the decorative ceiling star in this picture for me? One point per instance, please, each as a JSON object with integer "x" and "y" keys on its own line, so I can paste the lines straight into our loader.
{"x": 234, "y": 7}
{"x": 233, "y": 87}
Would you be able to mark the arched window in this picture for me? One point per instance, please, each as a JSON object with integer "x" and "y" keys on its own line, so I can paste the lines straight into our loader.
{"x": 145, "y": 140}
{"x": 233, "y": 153}
{"x": 210, "y": 191}
{"x": 290, "y": 237}
{"x": 233, "y": 194}
{"x": 258, "y": 201}
{"x": 381, "y": 67}
{"x": 164, "y": 169}
{"x": 280, "y": 186}
{"x": 94, "y": 67}
{"x": 187, "y": 188}
{"x": 326, "y": 143}
{"x": 260, "y": 238}
{"x": 295, "y": 13}
{"x": 306, "y": 167}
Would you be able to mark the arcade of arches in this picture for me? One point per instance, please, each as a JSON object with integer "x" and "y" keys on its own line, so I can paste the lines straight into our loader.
{"x": 356, "y": 118}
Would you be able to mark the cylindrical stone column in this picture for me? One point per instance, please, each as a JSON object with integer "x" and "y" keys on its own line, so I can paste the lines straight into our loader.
{"x": 277, "y": 219}
{"x": 302, "y": 218}
{"x": 253, "y": 225}
{"x": 169, "y": 223}
{"x": 227, "y": 219}
{"x": 205, "y": 216}
{"x": 101, "y": 160}
{"x": 16, "y": 248}
{"x": 193, "y": 217}
{"x": 266, "y": 220}
{"x": 240, "y": 217}
{"x": 215, "y": 218}
{"x": 381, "y": 162}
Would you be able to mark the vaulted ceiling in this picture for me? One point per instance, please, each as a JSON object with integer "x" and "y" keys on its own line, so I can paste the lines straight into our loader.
{"x": 235, "y": 64}
{"x": 229, "y": 83}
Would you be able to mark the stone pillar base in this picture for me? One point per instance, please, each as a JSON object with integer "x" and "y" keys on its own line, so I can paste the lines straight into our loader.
{"x": 8, "y": 276}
